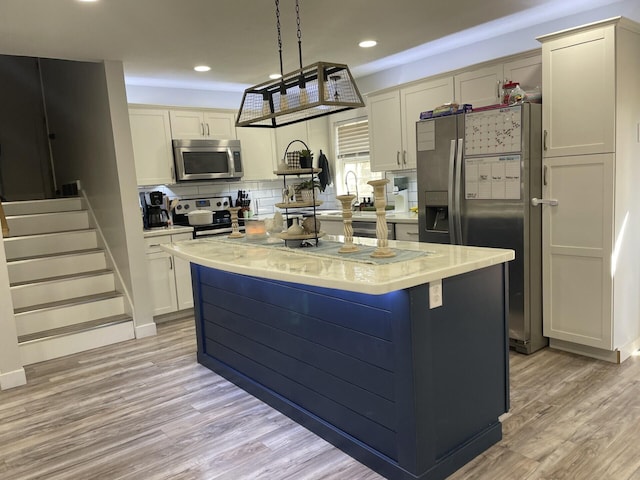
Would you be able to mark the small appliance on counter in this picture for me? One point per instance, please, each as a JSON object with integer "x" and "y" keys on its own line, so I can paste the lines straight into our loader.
{"x": 220, "y": 216}
{"x": 400, "y": 194}
{"x": 154, "y": 213}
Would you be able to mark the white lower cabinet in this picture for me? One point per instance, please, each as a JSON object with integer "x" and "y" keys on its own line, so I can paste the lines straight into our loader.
{"x": 169, "y": 276}
{"x": 407, "y": 231}
{"x": 162, "y": 282}
{"x": 184, "y": 290}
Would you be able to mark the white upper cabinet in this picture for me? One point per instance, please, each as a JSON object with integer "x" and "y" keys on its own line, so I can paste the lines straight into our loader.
{"x": 483, "y": 86}
{"x": 152, "y": 152}
{"x": 392, "y": 121}
{"x": 579, "y": 89}
{"x": 526, "y": 71}
{"x": 206, "y": 124}
{"x": 480, "y": 87}
{"x": 258, "y": 153}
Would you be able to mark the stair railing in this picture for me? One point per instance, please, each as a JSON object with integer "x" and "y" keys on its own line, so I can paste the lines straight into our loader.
{"x": 3, "y": 222}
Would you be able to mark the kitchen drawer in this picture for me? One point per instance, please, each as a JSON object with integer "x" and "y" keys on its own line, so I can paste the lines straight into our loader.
{"x": 152, "y": 244}
{"x": 407, "y": 231}
{"x": 178, "y": 237}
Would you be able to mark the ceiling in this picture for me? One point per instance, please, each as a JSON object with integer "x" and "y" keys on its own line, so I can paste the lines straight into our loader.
{"x": 160, "y": 41}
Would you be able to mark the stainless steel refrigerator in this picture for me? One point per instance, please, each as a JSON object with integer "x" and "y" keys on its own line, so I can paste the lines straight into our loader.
{"x": 476, "y": 174}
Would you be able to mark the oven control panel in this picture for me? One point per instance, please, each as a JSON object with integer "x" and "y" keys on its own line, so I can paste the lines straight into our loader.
{"x": 215, "y": 204}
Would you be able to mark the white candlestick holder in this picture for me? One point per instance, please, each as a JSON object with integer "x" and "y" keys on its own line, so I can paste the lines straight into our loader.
{"x": 383, "y": 250}
{"x": 235, "y": 230}
{"x": 347, "y": 216}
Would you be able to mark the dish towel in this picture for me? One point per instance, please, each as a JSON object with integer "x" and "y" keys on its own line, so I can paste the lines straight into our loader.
{"x": 324, "y": 177}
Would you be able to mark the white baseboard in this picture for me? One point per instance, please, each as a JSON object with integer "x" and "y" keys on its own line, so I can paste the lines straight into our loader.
{"x": 12, "y": 379}
{"x": 146, "y": 330}
{"x": 618, "y": 355}
{"x": 587, "y": 351}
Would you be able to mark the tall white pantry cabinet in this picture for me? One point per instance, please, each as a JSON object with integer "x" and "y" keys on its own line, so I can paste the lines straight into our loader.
{"x": 591, "y": 237}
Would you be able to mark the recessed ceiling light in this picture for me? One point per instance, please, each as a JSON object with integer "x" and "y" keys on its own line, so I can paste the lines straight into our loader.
{"x": 202, "y": 68}
{"x": 274, "y": 76}
{"x": 368, "y": 43}
{"x": 87, "y": 1}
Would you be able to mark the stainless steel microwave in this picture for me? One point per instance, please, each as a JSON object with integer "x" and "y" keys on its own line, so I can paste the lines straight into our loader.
{"x": 207, "y": 159}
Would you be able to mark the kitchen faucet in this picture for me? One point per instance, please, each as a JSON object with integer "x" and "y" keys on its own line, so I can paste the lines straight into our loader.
{"x": 346, "y": 183}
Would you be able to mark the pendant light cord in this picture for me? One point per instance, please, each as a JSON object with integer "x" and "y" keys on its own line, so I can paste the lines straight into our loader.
{"x": 299, "y": 33}
{"x": 279, "y": 36}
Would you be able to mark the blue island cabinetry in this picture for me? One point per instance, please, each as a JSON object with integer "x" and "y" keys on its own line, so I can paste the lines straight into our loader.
{"x": 409, "y": 391}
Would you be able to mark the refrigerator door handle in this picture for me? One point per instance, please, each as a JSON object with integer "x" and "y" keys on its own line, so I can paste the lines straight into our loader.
{"x": 452, "y": 156}
{"x": 458, "y": 194}
{"x": 543, "y": 201}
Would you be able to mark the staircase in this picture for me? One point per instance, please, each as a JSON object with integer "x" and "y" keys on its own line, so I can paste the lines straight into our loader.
{"x": 64, "y": 296}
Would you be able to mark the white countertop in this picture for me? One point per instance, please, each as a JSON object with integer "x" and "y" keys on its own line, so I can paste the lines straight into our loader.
{"x": 156, "y": 232}
{"x": 358, "y": 216}
{"x": 301, "y": 266}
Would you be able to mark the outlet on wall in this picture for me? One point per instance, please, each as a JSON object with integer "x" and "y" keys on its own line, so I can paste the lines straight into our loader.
{"x": 435, "y": 294}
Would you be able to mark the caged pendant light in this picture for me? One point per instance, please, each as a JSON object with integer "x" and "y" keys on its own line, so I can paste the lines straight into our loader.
{"x": 313, "y": 91}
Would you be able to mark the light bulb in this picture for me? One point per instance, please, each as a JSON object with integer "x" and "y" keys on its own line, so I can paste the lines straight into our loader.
{"x": 284, "y": 101}
{"x": 302, "y": 86}
{"x": 304, "y": 96}
{"x": 266, "y": 106}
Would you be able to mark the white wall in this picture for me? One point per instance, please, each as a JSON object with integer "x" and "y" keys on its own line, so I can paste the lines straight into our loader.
{"x": 11, "y": 371}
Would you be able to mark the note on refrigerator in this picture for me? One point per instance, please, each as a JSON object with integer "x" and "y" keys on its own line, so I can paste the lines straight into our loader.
{"x": 492, "y": 178}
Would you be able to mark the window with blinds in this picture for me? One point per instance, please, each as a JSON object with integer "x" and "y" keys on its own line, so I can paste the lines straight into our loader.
{"x": 353, "y": 139}
{"x": 352, "y": 155}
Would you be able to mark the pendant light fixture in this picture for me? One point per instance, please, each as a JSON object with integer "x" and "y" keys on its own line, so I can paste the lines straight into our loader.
{"x": 313, "y": 91}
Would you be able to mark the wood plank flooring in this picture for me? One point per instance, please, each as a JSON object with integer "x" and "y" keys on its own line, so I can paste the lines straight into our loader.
{"x": 145, "y": 410}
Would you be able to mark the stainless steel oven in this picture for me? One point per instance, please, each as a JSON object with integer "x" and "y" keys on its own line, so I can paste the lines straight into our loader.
{"x": 368, "y": 229}
{"x": 219, "y": 206}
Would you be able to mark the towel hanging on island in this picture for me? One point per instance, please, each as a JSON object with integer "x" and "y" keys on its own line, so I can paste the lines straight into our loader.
{"x": 324, "y": 177}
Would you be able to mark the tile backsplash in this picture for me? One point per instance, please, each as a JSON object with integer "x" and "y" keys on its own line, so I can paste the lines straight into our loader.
{"x": 265, "y": 194}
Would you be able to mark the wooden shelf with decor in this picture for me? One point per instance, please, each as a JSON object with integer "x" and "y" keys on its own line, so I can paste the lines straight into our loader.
{"x": 291, "y": 198}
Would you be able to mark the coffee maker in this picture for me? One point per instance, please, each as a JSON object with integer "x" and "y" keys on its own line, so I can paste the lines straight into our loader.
{"x": 154, "y": 215}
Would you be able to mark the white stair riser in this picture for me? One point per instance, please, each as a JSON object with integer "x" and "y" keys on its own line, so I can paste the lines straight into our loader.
{"x": 55, "y": 347}
{"x": 50, "y": 244}
{"x": 39, "y": 268}
{"x": 42, "y": 206}
{"x": 38, "y": 293}
{"x": 47, "y": 223}
{"x": 41, "y": 320}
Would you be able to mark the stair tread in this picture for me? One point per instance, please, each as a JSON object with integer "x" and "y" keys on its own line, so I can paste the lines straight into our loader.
{"x": 48, "y": 234}
{"x": 69, "y": 302}
{"x": 70, "y": 276}
{"x": 75, "y": 328}
{"x": 45, "y": 214}
{"x": 72, "y": 253}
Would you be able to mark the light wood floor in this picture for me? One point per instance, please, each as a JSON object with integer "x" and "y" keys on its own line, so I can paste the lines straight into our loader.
{"x": 144, "y": 410}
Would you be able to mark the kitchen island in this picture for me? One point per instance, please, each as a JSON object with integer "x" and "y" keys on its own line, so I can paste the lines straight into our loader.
{"x": 358, "y": 352}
